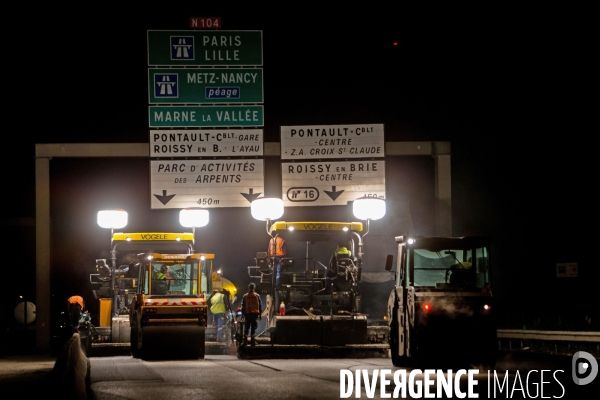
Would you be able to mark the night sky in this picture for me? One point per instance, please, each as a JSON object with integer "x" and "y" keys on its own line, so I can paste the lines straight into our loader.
{"x": 509, "y": 88}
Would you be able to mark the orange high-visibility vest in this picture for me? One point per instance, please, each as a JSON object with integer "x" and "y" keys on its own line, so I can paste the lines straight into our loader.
{"x": 278, "y": 250}
{"x": 251, "y": 303}
{"x": 76, "y": 299}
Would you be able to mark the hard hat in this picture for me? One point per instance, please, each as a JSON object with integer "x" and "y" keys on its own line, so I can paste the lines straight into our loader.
{"x": 251, "y": 286}
{"x": 466, "y": 264}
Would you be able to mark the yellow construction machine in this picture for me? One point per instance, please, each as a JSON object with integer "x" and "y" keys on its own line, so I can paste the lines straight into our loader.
{"x": 315, "y": 302}
{"x": 168, "y": 314}
{"x": 153, "y": 293}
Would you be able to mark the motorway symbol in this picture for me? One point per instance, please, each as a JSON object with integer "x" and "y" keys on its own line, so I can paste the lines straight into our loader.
{"x": 205, "y": 85}
{"x": 164, "y": 198}
{"x": 204, "y": 48}
{"x": 182, "y": 47}
{"x": 166, "y": 86}
{"x": 333, "y": 194}
{"x": 250, "y": 196}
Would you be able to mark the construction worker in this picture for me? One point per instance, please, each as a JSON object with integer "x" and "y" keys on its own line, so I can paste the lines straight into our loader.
{"x": 277, "y": 250}
{"x": 341, "y": 252}
{"x": 162, "y": 281}
{"x": 218, "y": 309}
{"x": 162, "y": 274}
{"x": 251, "y": 312}
{"x": 75, "y": 306}
{"x": 462, "y": 273}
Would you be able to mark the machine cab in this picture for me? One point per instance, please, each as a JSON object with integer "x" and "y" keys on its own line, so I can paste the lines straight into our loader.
{"x": 443, "y": 263}
{"x": 187, "y": 275}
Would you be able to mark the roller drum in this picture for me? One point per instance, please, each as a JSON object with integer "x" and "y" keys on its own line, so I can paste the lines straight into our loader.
{"x": 173, "y": 342}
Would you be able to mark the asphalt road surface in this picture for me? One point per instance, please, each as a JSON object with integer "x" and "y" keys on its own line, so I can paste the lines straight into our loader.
{"x": 516, "y": 376}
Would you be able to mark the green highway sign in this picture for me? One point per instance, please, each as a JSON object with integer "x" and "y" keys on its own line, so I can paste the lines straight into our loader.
{"x": 205, "y": 85}
{"x": 205, "y": 116}
{"x": 204, "y": 48}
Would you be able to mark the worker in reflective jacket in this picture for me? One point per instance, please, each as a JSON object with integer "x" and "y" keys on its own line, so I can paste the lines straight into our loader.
{"x": 217, "y": 308}
{"x": 75, "y": 306}
{"x": 277, "y": 250}
{"x": 251, "y": 310}
{"x": 162, "y": 274}
{"x": 341, "y": 252}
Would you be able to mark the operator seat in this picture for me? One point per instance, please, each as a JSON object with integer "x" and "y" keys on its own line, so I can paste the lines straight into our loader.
{"x": 262, "y": 262}
{"x": 344, "y": 264}
{"x": 159, "y": 286}
{"x": 462, "y": 274}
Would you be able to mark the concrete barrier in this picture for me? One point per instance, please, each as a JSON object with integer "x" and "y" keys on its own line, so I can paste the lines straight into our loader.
{"x": 71, "y": 372}
{"x": 121, "y": 331}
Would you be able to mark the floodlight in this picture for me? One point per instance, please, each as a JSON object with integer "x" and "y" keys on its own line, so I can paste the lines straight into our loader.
{"x": 112, "y": 219}
{"x": 266, "y": 208}
{"x": 369, "y": 208}
{"x": 193, "y": 217}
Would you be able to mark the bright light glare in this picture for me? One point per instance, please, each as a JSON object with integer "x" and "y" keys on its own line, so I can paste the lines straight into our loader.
{"x": 112, "y": 219}
{"x": 266, "y": 208}
{"x": 345, "y": 229}
{"x": 291, "y": 228}
{"x": 368, "y": 208}
{"x": 193, "y": 217}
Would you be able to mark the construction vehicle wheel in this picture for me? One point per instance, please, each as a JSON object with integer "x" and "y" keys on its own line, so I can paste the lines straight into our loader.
{"x": 199, "y": 347}
{"x": 202, "y": 345}
{"x": 134, "y": 349}
{"x": 396, "y": 359}
{"x": 136, "y": 338}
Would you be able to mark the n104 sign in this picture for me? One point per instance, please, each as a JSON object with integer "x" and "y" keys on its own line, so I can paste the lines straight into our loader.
{"x": 205, "y": 85}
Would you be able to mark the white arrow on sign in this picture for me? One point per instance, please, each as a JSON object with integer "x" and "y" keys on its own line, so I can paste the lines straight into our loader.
{"x": 206, "y": 183}
{"x": 341, "y": 181}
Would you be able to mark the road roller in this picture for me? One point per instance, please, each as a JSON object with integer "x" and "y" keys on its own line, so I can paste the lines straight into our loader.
{"x": 168, "y": 313}
{"x": 153, "y": 291}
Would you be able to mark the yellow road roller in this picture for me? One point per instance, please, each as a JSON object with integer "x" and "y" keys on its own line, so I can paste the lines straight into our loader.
{"x": 168, "y": 313}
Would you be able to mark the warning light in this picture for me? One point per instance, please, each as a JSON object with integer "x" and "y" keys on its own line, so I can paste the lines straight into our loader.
{"x": 426, "y": 307}
{"x": 395, "y": 44}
